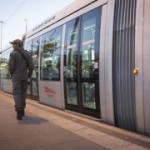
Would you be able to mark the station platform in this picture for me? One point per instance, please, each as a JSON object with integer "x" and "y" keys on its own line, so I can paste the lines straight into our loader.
{"x": 47, "y": 128}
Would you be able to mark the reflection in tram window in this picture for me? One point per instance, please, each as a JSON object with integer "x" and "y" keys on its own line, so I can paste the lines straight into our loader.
{"x": 71, "y": 93}
{"x": 35, "y": 53}
{"x": 72, "y": 32}
{"x": 4, "y": 73}
{"x": 88, "y": 60}
{"x": 88, "y": 90}
{"x": 89, "y": 29}
{"x": 88, "y": 45}
{"x": 50, "y": 72}
{"x": 29, "y": 47}
{"x": 71, "y": 70}
{"x": 50, "y": 57}
{"x": 71, "y": 52}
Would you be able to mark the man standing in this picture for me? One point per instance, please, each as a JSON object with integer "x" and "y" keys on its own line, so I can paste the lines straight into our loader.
{"x": 20, "y": 68}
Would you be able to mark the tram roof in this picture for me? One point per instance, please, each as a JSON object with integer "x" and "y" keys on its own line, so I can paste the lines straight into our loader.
{"x": 67, "y": 11}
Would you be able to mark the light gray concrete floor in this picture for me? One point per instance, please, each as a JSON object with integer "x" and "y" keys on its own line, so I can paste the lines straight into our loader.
{"x": 46, "y": 128}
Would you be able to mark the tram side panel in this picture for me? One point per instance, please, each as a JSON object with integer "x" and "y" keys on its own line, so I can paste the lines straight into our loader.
{"x": 146, "y": 65}
{"x": 50, "y": 94}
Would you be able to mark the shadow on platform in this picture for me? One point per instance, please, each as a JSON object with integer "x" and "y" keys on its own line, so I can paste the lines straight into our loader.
{"x": 32, "y": 120}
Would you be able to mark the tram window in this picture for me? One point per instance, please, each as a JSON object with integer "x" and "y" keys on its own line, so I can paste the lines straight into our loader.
{"x": 4, "y": 64}
{"x": 72, "y": 30}
{"x": 35, "y": 55}
{"x": 50, "y": 56}
{"x": 88, "y": 38}
{"x": 28, "y": 46}
{"x": 71, "y": 49}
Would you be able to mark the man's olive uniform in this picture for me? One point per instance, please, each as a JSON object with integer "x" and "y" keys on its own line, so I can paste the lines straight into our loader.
{"x": 20, "y": 68}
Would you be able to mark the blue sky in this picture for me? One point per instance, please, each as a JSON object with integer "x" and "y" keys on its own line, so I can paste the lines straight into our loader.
{"x": 35, "y": 11}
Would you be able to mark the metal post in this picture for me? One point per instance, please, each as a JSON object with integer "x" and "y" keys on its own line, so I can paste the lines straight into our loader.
{"x": 26, "y": 25}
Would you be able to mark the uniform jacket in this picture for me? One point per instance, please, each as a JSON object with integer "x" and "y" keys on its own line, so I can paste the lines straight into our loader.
{"x": 18, "y": 67}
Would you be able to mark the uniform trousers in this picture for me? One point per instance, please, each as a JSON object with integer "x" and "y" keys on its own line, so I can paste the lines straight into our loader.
{"x": 19, "y": 94}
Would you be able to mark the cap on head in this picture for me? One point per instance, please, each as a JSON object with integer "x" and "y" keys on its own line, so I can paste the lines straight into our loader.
{"x": 17, "y": 41}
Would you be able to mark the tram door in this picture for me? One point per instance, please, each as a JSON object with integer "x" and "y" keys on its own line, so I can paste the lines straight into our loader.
{"x": 81, "y": 61}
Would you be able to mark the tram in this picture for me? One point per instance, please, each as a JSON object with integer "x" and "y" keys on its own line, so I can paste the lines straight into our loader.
{"x": 92, "y": 57}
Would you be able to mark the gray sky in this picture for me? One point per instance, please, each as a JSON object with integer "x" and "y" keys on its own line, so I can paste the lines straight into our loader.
{"x": 13, "y": 13}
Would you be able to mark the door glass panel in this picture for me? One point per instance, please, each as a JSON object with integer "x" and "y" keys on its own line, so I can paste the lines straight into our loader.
{"x": 88, "y": 95}
{"x": 71, "y": 89}
{"x": 88, "y": 44}
{"x": 29, "y": 47}
{"x": 70, "y": 67}
{"x": 70, "y": 61}
{"x": 89, "y": 58}
{"x": 35, "y": 56}
{"x": 71, "y": 53}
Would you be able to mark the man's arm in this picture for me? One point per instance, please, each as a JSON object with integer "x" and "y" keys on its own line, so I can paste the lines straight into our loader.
{"x": 11, "y": 64}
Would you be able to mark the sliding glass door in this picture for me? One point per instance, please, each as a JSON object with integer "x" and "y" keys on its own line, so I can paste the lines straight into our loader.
{"x": 81, "y": 63}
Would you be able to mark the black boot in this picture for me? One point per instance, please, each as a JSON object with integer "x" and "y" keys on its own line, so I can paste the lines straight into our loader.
{"x": 19, "y": 115}
{"x": 23, "y": 113}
